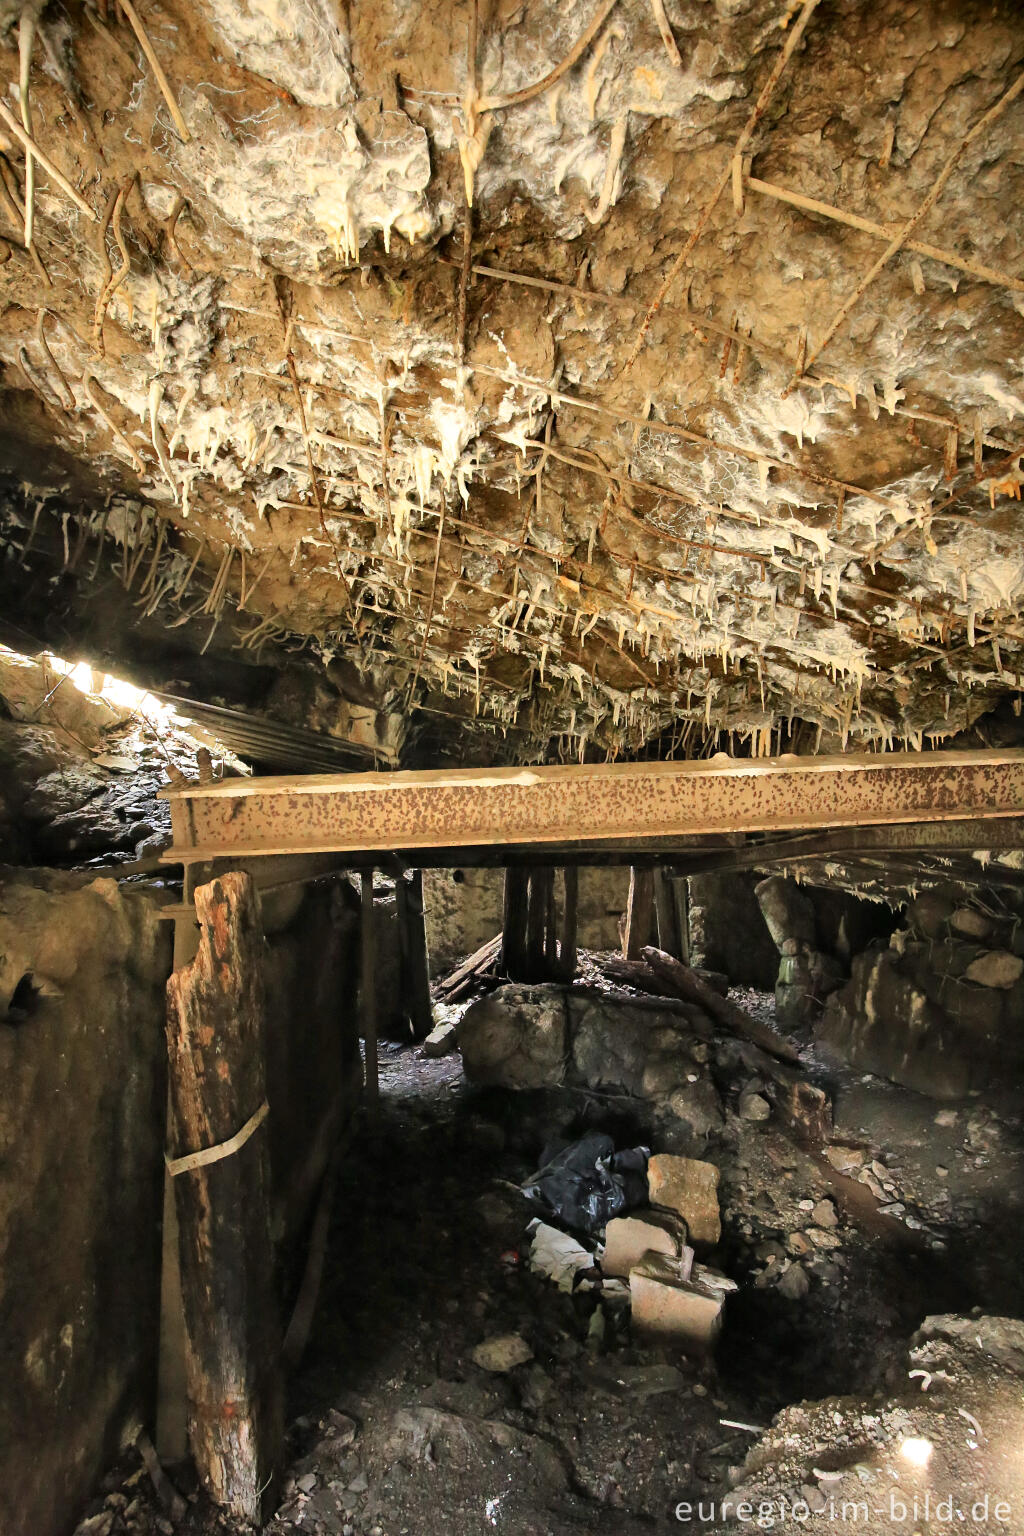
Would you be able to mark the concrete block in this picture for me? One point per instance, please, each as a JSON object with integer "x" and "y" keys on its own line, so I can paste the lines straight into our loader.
{"x": 671, "y": 1309}
{"x": 688, "y": 1187}
{"x": 628, "y": 1238}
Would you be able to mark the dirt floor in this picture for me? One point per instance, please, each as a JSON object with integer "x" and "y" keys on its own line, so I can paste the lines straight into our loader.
{"x": 840, "y": 1253}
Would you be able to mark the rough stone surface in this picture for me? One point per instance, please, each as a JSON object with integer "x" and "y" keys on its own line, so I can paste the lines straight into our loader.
{"x": 502, "y": 1353}
{"x": 938, "y": 1015}
{"x": 440, "y": 1040}
{"x": 688, "y": 1187}
{"x": 754, "y": 1106}
{"x": 728, "y": 931}
{"x": 996, "y": 968}
{"x": 319, "y": 198}
{"x": 788, "y": 911}
{"x": 968, "y": 923}
{"x": 82, "y": 1105}
{"x": 516, "y": 1037}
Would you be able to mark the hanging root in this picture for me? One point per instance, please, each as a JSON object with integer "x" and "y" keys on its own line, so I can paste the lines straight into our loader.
{"x": 31, "y": 148}
{"x": 135, "y": 22}
{"x": 671, "y": 48}
{"x": 115, "y": 279}
{"x": 171, "y": 225}
{"x": 16, "y": 212}
{"x": 26, "y": 36}
{"x": 576, "y": 52}
{"x": 45, "y": 347}
{"x": 90, "y": 389}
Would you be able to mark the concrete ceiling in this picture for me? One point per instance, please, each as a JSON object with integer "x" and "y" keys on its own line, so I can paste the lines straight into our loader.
{"x": 667, "y": 457}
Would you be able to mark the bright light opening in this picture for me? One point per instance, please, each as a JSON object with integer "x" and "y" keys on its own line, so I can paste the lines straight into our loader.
{"x": 917, "y": 1452}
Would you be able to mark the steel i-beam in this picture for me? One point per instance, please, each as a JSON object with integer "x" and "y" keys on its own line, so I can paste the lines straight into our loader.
{"x": 464, "y": 808}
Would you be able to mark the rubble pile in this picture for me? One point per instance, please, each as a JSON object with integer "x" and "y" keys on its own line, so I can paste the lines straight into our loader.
{"x": 647, "y": 1263}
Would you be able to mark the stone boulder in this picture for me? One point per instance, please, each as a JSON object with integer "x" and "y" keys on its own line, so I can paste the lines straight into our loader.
{"x": 787, "y": 910}
{"x": 647, "y": 1052}
{"x": 995, "y": 968}
{"x": 517, "y": 1037}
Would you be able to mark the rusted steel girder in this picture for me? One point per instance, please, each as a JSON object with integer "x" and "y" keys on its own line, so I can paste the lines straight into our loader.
{"x": 462, "y": 808}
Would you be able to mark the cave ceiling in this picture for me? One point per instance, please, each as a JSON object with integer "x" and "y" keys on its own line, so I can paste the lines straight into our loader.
{"x": 533, "y": 379}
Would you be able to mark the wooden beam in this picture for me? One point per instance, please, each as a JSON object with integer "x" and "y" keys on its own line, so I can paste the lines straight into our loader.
{"x": 515, "y": 910}
{"x": 171, "y": 1430}
{"x": 215, "y": 1030}
{"x": 368, "y": 991}
{"x": 570, "y": 908}
{"x": 590, "y": 804}
{"x": 415, "y": 960}
{"x": 639, "y": 912}
{"x": 665, "y": 911}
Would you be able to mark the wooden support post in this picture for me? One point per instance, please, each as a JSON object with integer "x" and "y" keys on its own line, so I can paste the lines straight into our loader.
{"x": 535, "y": 924}
{"x": 415, "y": 960}
{"x": 570, "y": 881}
{"x": 368, "y": 990}
{"x": 215, "y": 1028}
{"x": 681, "y": 896}
{"x": 639, "y": 912}
{"x": 515, "y": 907}
{"x": 550, "y": 927}
{"x": 665, "y": 907}
{"x": 171, "y": 1431}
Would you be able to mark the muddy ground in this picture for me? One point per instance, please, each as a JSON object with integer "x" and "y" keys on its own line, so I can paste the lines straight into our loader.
{"x": 395, "y": 1431}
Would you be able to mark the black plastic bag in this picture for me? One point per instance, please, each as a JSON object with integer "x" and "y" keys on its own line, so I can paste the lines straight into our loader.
{"x": 587, "y": 1182}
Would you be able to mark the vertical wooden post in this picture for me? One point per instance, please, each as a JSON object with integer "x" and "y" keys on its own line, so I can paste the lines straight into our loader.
{"x": 681, "y": 894}
{"x": 550, "y": 926}
{"x": 665, "y": 907}
{"x": 415, "y": 960}
{"x": 515, "y": 906}
{"x": 215, "y": 1028}
{"x": 171, "y": 1430}
{"x": 570, "y": 881}
{"x": 536, "y": 917}
{"x": 639, "y": 912}
{"x": 368, "y": 989}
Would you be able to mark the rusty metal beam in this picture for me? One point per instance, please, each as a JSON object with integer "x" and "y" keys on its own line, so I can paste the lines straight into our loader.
{"x": 590, "y": 804}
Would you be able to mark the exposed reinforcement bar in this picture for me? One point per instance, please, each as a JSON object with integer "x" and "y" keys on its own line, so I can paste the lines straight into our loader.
{"x": 591, "y": 804}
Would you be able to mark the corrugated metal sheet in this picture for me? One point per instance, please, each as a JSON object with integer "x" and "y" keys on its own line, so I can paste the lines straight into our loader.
{"x": 271, "y": 743}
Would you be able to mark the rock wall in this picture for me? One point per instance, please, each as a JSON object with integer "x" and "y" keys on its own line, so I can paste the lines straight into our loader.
{"x": 83, "y": 968}
{"x": 313, "y": 1063}
{"x": 82, "y": 1103}
{"x": 940, "y": 1009}
{"x": 728, "y": 932}
{"x": 463, "y": 908}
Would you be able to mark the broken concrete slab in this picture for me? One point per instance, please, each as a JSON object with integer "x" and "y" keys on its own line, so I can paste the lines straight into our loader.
{"x": 629, "y": 1238}
{"x": 673, "y": 1309}
{"x": 689, "y": 1187}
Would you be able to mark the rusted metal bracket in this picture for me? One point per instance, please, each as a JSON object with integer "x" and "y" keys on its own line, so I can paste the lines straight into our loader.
{"x": 589, "y": 804}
